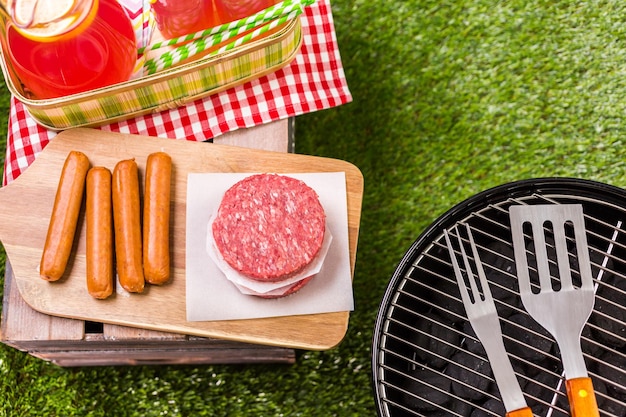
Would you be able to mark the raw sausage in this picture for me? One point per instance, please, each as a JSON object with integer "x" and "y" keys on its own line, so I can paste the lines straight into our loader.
{"x": 156, "y": 218}
{"x": 127, "y": 225}
{"x": 99, "y": 233}
{"x": 64, "y": 218}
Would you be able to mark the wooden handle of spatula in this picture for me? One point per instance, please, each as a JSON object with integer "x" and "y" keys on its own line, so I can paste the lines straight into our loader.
{"x": 522, "y": 412}
{"x": 582, "y": 398}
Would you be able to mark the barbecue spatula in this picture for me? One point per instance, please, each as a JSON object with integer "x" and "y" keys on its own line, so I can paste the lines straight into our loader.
{"x": 556, "y": 302}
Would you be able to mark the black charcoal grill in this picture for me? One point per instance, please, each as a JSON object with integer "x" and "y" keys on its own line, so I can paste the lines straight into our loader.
{"x": 426, "y": 360}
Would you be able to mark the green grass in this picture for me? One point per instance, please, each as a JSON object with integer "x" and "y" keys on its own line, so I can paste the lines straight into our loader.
{"x": 450, "y": 98}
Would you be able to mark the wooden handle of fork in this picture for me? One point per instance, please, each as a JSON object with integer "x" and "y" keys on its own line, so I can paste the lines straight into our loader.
{"x": 582, "y": 399}
{"x": 522, "y": 412}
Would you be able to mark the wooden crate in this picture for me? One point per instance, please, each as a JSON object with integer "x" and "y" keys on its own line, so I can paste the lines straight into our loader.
{"x": 69, "y": 342}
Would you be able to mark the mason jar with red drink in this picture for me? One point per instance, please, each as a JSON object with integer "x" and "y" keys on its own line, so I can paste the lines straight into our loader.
{"x": 63, "y": 47}
{"x": 180, "y": 17}
{"x": 230, "y": 10}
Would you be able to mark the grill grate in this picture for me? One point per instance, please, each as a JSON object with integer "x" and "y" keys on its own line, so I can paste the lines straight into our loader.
{"x": 428, "y": 362}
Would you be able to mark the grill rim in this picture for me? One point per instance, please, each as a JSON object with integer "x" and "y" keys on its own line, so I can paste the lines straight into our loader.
{"x": 576, "y": 187}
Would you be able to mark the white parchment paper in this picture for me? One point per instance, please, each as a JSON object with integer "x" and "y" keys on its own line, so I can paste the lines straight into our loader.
{"x": 211, "y": 296}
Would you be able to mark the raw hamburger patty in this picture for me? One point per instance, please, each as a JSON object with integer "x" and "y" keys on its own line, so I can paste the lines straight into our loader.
{"x": 269, "y": 227}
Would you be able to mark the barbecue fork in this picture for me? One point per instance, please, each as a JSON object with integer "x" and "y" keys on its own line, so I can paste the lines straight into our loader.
{"x": 482, "y": 314}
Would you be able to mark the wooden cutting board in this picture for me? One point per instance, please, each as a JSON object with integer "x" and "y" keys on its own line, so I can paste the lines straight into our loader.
{"x": 26, "y": 204}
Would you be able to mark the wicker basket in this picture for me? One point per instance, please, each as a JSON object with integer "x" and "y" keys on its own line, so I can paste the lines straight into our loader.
{"x": 166, "y": 89}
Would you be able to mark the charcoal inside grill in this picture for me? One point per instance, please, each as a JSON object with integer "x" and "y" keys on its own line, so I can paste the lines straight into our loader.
{"x": 489, "y": 408}
{"x": 612, "y": 367}
{"x": 614, "y": 408}
{"x": 560, "y": 403}
{"x": 531, "y": 341}
{"x": 460, "y": 408}
{"x": 454, "y": 408}
{"x": 499, "y": 264}
{"x": 605, "y": 399}
{"x": 541, "y": 395}
{"x": 601, "y": 264}
{"x": 429, "y": 390}
{"x": 589, "y": 345}
{"x": 609, "y": 312}
{"x": 443, "y": 296}
{"x": 470, "y": 375}
{"x": 436, "y": 340}
{"x": 471, "y": 341}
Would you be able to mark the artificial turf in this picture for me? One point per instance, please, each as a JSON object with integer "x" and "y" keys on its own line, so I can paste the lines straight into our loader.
{"x": 450, "y": 98}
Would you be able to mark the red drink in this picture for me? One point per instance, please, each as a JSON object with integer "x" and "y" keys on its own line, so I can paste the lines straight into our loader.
{"x": 98, "y": 52}
{"x": 180, "y": 17}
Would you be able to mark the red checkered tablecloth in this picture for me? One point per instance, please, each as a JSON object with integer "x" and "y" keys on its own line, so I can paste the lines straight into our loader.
{"x": 315, "y": 80}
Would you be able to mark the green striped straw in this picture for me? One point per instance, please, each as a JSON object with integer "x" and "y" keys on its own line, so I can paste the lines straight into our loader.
{"x": 200, "y": 45}
{"x": 203, "y": 40}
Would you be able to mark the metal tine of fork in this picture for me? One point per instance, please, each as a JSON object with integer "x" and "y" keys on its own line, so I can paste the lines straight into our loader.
{"x": 476, "y": 292}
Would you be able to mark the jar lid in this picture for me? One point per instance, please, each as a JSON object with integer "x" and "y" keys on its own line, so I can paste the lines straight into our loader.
{"x": 47, "y": 20}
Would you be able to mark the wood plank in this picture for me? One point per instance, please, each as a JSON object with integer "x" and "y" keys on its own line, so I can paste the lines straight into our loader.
{"x": 276, "y": 136}
{"x": 115, "y": 332}
{"x": 20, "y": 323}
{"x": 173, "y": 356}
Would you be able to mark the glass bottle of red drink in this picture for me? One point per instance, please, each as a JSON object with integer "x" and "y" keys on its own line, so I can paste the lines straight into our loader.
{"x": 58, "y": 48}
